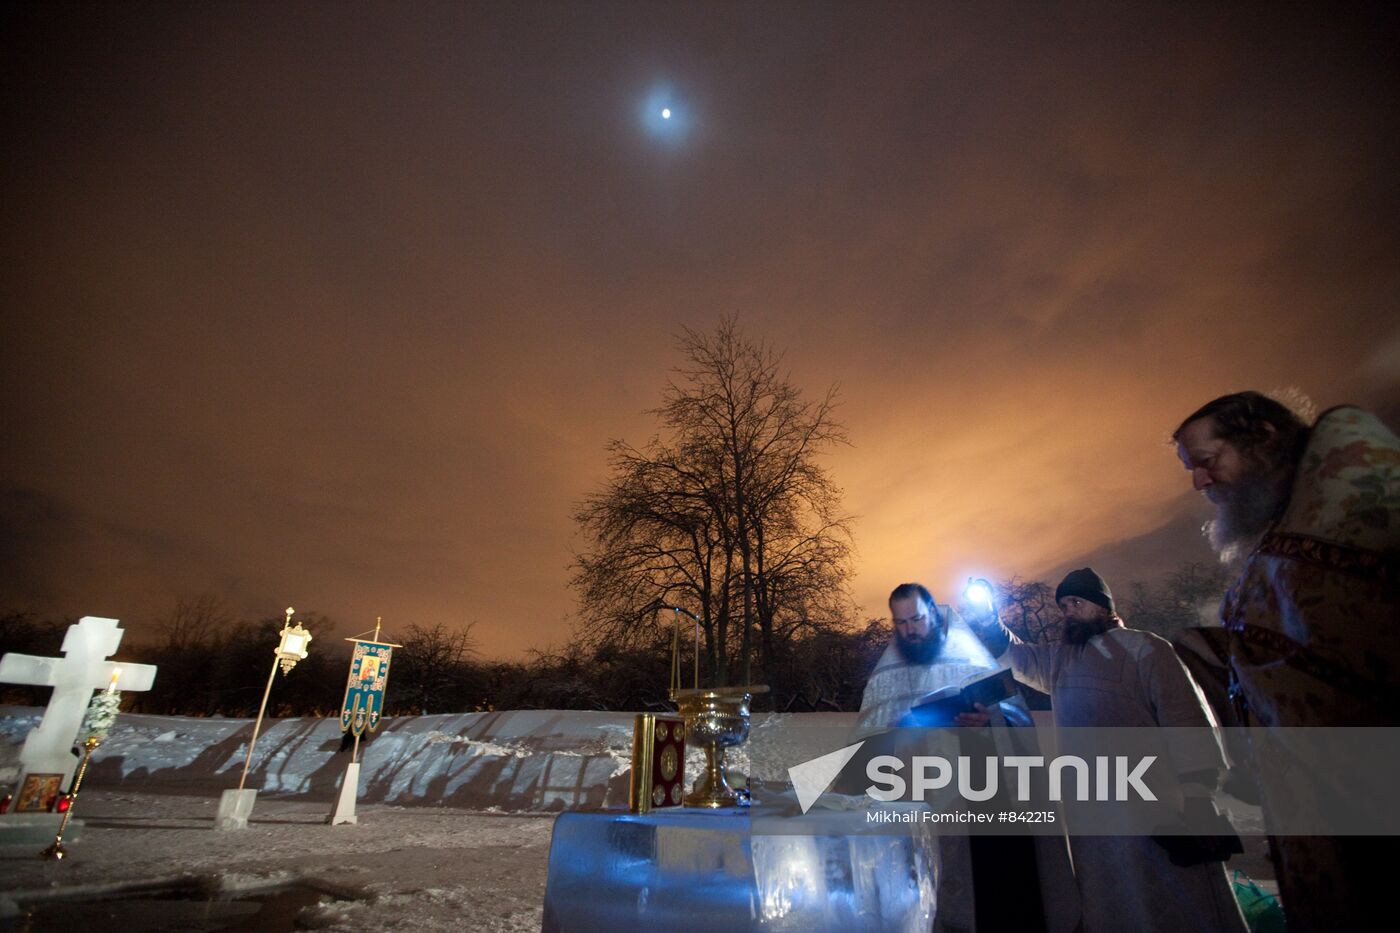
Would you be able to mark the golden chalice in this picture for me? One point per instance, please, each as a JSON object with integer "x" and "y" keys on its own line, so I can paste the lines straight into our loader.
{"x": 716, "y": 719}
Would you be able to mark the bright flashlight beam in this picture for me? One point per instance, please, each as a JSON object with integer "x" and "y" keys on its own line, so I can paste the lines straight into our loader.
{"x": 978, "y": 592}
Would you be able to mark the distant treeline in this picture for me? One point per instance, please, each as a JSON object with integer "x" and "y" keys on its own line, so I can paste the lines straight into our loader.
{"x": 215, "y": 664}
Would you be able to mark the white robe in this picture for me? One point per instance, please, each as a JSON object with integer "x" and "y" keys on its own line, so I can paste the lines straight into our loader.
{"x": 891, "y": 691}
{"x": 896, "y": 684}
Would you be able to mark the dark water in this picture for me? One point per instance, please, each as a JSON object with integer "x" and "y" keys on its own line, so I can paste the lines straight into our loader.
{"x": 175, "y": 911}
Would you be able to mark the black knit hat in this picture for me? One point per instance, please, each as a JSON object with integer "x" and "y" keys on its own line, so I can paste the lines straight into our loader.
{"x": 1085, "y": 584}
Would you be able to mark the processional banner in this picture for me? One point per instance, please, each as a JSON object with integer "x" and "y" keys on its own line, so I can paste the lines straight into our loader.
{"x": 364, "y": 691}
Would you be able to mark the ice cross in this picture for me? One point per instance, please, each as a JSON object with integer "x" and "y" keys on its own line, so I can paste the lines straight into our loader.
{"x": 84, "y": 668}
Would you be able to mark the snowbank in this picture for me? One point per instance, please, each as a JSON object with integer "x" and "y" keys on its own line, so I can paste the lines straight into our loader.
{"x": 525, "y": 760}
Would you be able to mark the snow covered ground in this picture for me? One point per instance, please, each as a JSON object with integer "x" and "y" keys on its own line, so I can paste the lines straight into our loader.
{"x": 414, "y": 868}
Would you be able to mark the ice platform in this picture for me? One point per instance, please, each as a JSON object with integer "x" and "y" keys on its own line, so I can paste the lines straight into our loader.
{"x": 684, "y": 870}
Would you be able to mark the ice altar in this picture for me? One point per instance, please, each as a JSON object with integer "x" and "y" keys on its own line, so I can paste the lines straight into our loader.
{"x": 704, "y": 870}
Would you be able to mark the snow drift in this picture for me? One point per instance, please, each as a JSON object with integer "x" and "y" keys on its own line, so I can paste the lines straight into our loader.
{"x": 522, "y": 760}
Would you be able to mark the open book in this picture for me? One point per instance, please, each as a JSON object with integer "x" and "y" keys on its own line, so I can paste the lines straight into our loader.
{"x": 941, "y": 707}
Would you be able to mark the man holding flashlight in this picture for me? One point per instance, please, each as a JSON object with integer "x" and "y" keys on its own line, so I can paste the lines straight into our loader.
{"x": 1104, "y": 674}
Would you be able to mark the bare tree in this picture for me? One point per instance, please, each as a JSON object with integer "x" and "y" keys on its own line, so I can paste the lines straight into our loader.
{"x": 727, "y": 514}
{"x": 212, "y": 662}
{"x": 1028, "y": 609}
{"x": 25, "y": 633}
{"x": 430, "y": 672}
{"x": 192, "y": 637}
{"x": 195, "y": 623}
{"x": 826, "y": 670}
{"x": 1183, "y": 599}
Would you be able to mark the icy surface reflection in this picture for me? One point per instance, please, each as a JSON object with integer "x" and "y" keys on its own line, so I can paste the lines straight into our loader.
{"x": 848, "y": 883}
{"x": 694, "y": 870}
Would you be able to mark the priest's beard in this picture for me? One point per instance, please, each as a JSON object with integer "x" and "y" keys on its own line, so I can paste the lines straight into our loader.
{"x": 1079, "y": 631}
{"x": 1244, "y": 510}
{"x": 921, "y": 650}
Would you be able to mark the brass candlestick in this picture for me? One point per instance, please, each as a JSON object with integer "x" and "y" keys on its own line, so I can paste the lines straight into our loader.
{"x": 56, "y": 850}
{"x": 715, "y": 719}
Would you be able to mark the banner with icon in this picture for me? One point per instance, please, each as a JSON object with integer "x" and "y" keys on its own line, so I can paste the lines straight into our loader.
{"x": 364, "y": 691}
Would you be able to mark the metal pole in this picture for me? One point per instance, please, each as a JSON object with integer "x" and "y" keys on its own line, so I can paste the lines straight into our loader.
{"x": 56, "y": 850}
{"x": 257, "y": 726}
{"x": 676, "y": 654}
{"x": 355, "y": 752}
{"x": 676, "y": 650}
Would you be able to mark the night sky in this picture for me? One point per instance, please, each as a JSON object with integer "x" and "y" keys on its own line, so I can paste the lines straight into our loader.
{"x": 337, "y": 305}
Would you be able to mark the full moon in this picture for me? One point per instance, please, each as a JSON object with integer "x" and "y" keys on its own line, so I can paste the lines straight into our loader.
{"x": 666, "y": 113}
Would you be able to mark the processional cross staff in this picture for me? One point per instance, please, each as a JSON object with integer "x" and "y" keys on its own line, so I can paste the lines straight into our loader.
{"x": 290, "y": 650}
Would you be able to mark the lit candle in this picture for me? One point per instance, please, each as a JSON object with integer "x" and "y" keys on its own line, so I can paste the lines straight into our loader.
{"x": 112, "y": 687}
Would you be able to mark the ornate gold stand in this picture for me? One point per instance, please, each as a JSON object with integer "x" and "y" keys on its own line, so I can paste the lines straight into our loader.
{"x": 715, "y": 719}
{"x": 57, "y": 851}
